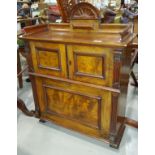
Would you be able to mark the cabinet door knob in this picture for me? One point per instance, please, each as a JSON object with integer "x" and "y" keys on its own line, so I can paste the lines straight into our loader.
{"x": 70, "y": 62}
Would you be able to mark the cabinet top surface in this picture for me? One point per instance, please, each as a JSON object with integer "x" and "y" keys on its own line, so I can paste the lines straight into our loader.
{"x": 74, "y": 33}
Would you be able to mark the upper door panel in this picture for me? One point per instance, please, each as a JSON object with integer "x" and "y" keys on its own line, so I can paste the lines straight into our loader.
{"x": 90, "y": 64}
{"x": 49, "y": 58}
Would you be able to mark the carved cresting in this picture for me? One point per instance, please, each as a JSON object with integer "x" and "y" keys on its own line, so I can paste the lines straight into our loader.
{"x": 84, "y": 10}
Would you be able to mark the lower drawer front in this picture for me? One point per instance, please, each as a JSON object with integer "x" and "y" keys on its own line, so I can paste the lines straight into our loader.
{"x": 75, "y": 106}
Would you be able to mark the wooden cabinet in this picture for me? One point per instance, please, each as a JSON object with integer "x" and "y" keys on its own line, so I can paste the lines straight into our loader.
{"x": 79, "y": 73}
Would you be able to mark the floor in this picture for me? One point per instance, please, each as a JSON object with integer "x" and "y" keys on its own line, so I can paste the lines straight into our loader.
{"x": 35, "y": 138}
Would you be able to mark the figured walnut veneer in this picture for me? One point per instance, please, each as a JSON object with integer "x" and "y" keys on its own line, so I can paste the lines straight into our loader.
{"x": 89, "y": 64}
{"x": 96, "y": 69}
{"x": 72, "y": 105}
{"x": 43, "y": 56}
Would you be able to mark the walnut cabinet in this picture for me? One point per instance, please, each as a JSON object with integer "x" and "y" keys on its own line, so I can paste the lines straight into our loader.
{"x": 79, "y": 73}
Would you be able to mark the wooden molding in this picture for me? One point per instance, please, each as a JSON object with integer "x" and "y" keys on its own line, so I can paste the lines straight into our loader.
{"x": 113, "y": 122}
{"x": 34, "y": 29}
{"x": 117, "y": 67}
{"x": 76, "y": 82}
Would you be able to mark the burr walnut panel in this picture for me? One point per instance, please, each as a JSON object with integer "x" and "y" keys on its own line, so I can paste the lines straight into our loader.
{"x": 92, "y": 65}
{"x": 73, "y": 105}
{"x": 49, "y": 59}
{"x": 85, "y": 105}
{"x": 96, "y": 65}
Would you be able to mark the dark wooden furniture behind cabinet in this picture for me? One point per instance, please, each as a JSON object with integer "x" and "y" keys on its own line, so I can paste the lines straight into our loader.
{"x": 79, "y": 73}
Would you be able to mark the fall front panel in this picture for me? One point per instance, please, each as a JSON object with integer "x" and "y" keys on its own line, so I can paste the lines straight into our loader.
{"x": 88, "y": 107}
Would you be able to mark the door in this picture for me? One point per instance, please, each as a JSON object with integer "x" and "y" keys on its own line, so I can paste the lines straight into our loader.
{"x": 90, "y": 64}
{"x": 49, "y": 58}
